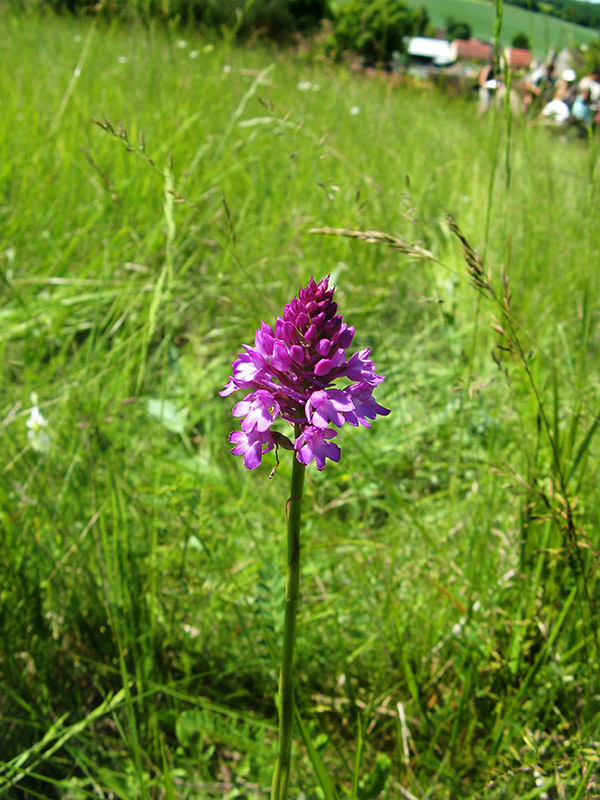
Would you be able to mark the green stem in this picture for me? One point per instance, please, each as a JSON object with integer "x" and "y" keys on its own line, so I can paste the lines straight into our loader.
{"x": 281, "y": 776}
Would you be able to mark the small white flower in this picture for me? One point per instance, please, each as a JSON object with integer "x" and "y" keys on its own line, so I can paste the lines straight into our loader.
{"x": 36, "y": 421}
{"x": 77, "y": 72}
{"x": 122, "y": 59}
{"x": 193, "y": 54}
{"x": 182, "y": 44}
{"x": 226, "y": 69}
{"x": 304, "y": 86}
{"x": 355, "y": 110}
{"x": 39, "y": 438}
{"x": 77, "y": 38}
{"x": 458, "y": 628}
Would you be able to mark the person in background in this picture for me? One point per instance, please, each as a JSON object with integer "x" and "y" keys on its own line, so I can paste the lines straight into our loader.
{"x": 582, "y": 108}
{"x": 540, "y": 87}
{"x": 567, "y": 88}
{"x": 588, "y": 99}
{"x": 558, "y": 110}
{"x": 591, "y": 83}
{"x": 487, "y": 84}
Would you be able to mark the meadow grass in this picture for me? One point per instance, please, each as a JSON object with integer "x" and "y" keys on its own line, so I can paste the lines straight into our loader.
{"x": 448, "y": 615}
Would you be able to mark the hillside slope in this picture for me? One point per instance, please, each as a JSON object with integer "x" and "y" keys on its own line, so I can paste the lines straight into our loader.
{"x": 543, "y": 30}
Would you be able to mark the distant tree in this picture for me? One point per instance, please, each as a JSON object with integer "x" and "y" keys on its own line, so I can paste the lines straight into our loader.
{"x": 373, "y": 28}
{"x": 455, "y": 29}
{"x": 422, "y": 21}
{"x": 276, "y": 19}
{"x": 308, "y": 14}
{"x": 582, "y": 13}
{"x": 591, "y": 56}
{"x": 431, "y": 31}
{"x": 521, "y": 41}
{"x": 531, "y": 5}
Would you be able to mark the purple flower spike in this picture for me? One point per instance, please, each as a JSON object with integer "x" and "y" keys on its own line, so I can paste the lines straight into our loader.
{"x": 290, "y": 374}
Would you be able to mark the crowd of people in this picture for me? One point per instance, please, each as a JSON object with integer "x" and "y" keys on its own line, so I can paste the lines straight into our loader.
{"x": 559, "y": 100}
{"x": 566, "y": 99}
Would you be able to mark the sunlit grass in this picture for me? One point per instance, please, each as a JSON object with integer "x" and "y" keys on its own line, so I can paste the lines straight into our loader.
{"x": 140, "y": 595}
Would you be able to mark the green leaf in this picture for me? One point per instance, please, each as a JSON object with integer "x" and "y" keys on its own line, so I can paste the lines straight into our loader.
{"x": 188, "y": 728}
{"x": 166, "y": 412}
{"x": 358, "y": 756}
{"x": 377, "y": 779}
{"x": 325, "y": 781}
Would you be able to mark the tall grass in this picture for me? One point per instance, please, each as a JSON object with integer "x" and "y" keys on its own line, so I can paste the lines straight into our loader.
{"x": 448, "y": 616}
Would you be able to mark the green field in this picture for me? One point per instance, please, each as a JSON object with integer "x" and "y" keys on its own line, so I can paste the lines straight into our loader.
{"x": 543, "y": 30}
{"x": 449, "y": 591}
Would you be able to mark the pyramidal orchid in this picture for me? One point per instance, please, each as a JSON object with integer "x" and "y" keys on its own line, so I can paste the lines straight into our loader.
{"x": 299, "y": 372}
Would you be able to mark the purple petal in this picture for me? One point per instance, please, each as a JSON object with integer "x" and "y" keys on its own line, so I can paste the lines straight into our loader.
{"x": 324, "y": 406}
{"x": 323, "y": 367}
{"x": 264, "y": 338}
{"x": 248, "y": 366}
{"x": 302, "y": 321}
{"x": 365, "y": 407}
{"x": 360, "y": 368}
{"x": 331, "y": 309}
{"x": 310, "y": 334}
{"x": 346, "y": 336}
{"x": 230, "y": 387}
{"x": 260, "y": 409}
{"x": 323, "y": 347}
{"x": 251, "y": 445}
{"x": 241, "y": 409}
{"x": 281, "y": 358}
{"x": 312, "y": 444}
{"x": 297, "y": 353}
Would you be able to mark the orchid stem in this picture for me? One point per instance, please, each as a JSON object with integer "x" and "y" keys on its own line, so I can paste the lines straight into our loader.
{"x": 281, "y": 776}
